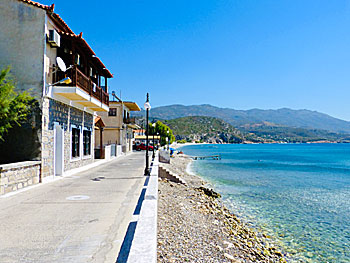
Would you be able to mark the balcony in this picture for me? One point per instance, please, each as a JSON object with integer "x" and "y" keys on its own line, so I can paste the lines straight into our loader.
{"x": 82, "y": 90}
{"x": 131, "y": 123}
{"x": 129, "y": 120}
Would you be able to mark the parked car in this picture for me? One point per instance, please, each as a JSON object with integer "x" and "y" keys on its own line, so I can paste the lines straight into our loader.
{"x": 134, "y": 147}
{"x": 142, "y": 146}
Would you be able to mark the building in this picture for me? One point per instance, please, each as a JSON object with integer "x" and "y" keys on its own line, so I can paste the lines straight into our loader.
{"x": 64, "y": 74}
{"x": 119, "y": 126}
{"x": 139, "y": 132}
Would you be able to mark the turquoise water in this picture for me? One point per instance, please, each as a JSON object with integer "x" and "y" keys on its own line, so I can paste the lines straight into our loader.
{"x": 298, "y": 193}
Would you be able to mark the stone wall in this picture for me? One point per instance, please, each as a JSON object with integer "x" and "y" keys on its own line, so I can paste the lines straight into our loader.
{"x": 15, "y": 176}
{"x": 57, "y": 113}
{"x": 47, "y": 152}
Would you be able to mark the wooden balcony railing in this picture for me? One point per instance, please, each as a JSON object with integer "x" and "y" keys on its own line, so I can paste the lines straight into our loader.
{"x": 129, "y": 120}
{"x": 79, "y": 79}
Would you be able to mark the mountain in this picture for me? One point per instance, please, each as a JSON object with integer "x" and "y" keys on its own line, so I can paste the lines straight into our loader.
{"x": 207, "y": 129}
{"x": 279, "y": 133}
{"x": 286, "y": 117}
{"x": 214, "y": 130}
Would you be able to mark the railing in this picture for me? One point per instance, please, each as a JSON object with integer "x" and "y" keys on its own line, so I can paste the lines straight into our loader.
{"x": 129, "y": 120}
{"x": 80, "y": 80}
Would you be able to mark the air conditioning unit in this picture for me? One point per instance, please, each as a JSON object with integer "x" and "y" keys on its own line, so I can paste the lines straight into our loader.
{"x": 54, "y": 38}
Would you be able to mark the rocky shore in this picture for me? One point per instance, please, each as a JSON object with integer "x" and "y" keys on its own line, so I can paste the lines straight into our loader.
{"x": 194, "y": 225}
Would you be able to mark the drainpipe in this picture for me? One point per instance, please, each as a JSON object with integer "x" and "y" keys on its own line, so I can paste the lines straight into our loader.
{"x": 40, "y": 172}
{"x": 101, "y": 143}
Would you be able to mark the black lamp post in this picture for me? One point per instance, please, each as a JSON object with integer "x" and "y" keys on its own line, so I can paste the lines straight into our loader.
{"x": 168, "y": 138}
{"x": 147, "y": 107}
{"x": 158, "y": 144}
{"x": 154, "y": 129}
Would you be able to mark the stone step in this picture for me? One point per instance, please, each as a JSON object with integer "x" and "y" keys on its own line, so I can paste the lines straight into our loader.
{"x": 165, "y": 173}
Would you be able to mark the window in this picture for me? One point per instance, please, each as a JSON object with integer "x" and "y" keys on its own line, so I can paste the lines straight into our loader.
{"x": 112, "y": 112}
{"x": 75, "y": 142}
{"x": 87, "y": 142}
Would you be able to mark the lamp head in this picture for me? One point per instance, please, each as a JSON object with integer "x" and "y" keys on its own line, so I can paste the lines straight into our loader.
{"x": 147, "y": 105}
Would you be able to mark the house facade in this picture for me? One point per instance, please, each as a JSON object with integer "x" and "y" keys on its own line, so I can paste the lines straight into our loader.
{"x": 63, "y": 73}
{"x": 119, "y": 125}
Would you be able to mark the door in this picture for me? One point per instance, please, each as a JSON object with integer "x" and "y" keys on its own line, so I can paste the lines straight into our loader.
{"x": 59, "y": 158}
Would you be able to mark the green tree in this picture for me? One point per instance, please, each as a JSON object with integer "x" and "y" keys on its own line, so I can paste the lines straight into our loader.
{"x": 162, "y": 129}
{"x": 14, "y": 107}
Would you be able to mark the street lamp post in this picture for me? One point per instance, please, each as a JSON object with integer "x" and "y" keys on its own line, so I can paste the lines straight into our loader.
{"x": 168, "y": 139}
{"x": 154, "y": 129}
{"x": 158, "y": 144}
{"x": 147, "y": 107}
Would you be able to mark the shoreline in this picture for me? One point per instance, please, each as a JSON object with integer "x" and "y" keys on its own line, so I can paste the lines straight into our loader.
{"x": 194, "y": 225}
{"x": 176, "y": 145}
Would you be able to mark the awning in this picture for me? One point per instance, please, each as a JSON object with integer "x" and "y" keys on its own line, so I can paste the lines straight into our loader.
{"x": 99, "y": 122}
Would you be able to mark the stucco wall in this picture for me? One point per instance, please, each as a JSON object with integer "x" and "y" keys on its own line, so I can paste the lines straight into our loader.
{"x": 51, "y": 54}
{"x": 22, "y": 43}
{"x": 109, "y": 137}
{"x": 111, "y": 133}
{"x": 113, "y": 121}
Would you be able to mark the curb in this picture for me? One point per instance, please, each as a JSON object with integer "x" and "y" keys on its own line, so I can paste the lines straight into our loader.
{"x": 144, "y": 244}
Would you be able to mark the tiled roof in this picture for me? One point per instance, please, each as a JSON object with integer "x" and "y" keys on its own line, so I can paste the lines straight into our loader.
{"x": 54, "y": 15}
{"x": 67, "y": 31}
{"x": 99, "y": 122}
{"x": 83, "y": 41}
{"x": 45, "y": 7}
{"x": 50, "y": 9}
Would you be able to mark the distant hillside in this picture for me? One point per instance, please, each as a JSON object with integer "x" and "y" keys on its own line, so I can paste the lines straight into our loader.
{"x": 210, "y": 129}
{"x": 279, "y": 133}
{"x": 293, "y": 118}
{"x": 207, "y": 129}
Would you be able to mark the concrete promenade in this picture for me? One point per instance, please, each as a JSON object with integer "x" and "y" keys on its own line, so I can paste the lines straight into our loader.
{"x": 81, "y": 218}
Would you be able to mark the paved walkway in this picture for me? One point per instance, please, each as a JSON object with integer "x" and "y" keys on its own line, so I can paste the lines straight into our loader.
{"x": 81, "y": 218}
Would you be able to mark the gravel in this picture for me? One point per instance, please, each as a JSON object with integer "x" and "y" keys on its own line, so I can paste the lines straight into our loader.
{"x": 194, "y": 225}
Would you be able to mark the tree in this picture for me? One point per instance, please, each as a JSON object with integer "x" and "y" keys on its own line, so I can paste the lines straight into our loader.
{"x": 14, "y": 107}
{"x": 162, "y": 129}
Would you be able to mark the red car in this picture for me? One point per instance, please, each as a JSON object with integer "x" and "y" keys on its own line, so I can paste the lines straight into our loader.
{"x": 143, "y": 147}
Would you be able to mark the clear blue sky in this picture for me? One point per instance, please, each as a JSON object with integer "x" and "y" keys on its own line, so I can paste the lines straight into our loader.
{"x": 243, "y": 54}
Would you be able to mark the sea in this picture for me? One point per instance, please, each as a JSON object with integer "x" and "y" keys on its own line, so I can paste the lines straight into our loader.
{"x": 299, "y": 194}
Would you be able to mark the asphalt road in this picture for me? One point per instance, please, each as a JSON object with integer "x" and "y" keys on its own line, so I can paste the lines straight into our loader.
{"x": 81, "y": 218}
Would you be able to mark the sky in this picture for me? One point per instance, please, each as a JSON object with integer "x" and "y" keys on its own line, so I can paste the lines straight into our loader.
{"x": 245, "y": 54}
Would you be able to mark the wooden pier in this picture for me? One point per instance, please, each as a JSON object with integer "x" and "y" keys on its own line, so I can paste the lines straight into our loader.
{"x": 213, "y": 157}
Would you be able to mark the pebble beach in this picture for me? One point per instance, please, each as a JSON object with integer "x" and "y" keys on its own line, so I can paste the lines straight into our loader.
{"x": 195, "y": 226}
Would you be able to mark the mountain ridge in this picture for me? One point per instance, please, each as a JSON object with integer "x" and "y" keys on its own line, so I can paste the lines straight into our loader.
{"x": 301, "y": 118}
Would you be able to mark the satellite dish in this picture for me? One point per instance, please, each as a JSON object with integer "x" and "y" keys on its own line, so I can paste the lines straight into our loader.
{"x": 61, "y": 64}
